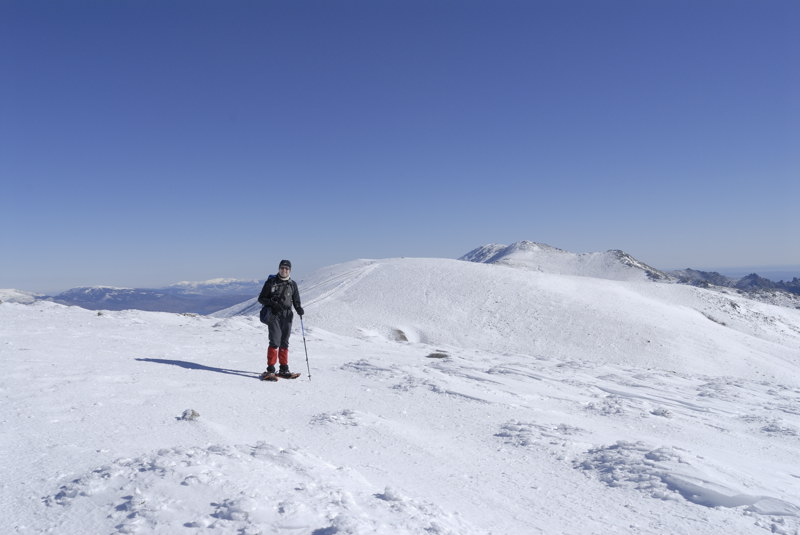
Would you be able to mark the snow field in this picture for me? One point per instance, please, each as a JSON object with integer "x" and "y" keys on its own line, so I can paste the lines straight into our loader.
{"x": 416, "y": 419}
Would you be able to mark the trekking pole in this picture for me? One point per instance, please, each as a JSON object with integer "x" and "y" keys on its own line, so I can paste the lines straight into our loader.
{"x": 303, "y": 330}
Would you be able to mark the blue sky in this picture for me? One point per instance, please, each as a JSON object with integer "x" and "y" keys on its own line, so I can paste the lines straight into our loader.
{"x": 147, "y": 142}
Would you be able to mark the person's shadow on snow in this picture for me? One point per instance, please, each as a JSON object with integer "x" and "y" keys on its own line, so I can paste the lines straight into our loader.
{"x": 196, "y": 366}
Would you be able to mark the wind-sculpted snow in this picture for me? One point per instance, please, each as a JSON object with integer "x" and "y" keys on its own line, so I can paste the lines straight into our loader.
{"x": 669, "y": 473}
{"x": 255, "y": 488}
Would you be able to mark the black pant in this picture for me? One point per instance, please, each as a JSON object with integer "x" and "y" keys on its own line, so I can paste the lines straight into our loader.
{"x": 280, "y": 327}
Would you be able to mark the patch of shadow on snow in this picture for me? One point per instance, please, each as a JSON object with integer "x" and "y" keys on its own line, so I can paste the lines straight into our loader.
{"x": 189, "y": 415}
{"x": 196, "y": 366}
{"x": 399, "y": 336}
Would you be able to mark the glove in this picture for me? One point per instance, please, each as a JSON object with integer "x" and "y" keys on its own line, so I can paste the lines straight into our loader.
{"x": 300, "y": 311}
{"x": 274, "y": 305}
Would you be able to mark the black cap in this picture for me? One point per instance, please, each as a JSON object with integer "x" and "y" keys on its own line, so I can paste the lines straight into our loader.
{"x": 285, "y": 263}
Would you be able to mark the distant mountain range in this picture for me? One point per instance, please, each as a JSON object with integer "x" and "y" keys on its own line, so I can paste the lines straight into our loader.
{"x": 748, "y": 283}
{"x": 185, "y": 297}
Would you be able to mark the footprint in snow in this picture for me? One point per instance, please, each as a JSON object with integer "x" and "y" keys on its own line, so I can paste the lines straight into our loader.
{"x": 609, "y": 406}
{"x": 346, "y": 417}
{"x": 366, "y": 368}
{"x": 523, "y": 434}
{"x": 776, "y": 427}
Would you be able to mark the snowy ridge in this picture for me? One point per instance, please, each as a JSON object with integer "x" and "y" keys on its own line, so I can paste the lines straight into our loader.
{"x": 614, "y": 264}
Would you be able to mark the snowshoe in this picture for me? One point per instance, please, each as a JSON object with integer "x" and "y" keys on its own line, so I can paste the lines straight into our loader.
{"x": 284, "y": 372}
{"x": 288, "y": 375}
{"x": 268, "y": 376}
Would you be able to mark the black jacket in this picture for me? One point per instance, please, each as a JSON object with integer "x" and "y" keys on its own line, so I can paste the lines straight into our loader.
{"x": 279, "y": 295}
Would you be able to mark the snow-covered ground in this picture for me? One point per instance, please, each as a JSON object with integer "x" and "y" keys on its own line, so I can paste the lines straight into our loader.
{"x": 445, "y": 397}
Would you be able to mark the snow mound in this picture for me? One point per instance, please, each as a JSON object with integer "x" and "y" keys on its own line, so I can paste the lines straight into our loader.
{"x": 238, "y": 489}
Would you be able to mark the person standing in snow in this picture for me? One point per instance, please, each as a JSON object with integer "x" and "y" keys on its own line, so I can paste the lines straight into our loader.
{"x": 278, "y": 296}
